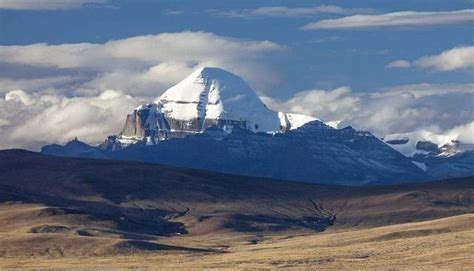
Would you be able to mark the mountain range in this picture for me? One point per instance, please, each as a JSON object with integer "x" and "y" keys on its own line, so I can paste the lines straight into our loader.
{"x": 440, "y": 156}
{"x": 213, "y": 120}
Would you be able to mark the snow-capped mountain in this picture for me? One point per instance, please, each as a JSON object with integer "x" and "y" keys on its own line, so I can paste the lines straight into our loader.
{"x": 217, "y": 122}
{"x": 313, "y": 152}
{"x": 440, "y": 156}
{"x": 424, "y": 142}
{"x": 212, "y": 96}
{"x": 208, "y": 97}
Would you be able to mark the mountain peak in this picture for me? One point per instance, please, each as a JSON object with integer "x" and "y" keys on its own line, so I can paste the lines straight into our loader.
{"x": 207, "y": 97}
{"x": 212, "y": 71}
{"x": 214, "y": 95}
{"x": 205, "y": 81}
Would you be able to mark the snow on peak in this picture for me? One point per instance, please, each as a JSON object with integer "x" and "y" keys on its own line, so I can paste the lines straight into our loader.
{"x": 214, "y": 94}
{"x": 410, "y": 144}
{"x": 293, "y": 121}
{"x": 201, "y": 81}
{"x": 338, "y": 124}
{"x": 207, "y": 97}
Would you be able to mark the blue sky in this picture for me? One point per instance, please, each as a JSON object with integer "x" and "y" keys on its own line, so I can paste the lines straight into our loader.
{"x": 315, "y": 59}
{"x": 286, "y": 59}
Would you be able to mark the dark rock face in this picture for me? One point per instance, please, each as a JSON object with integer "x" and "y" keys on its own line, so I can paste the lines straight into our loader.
{"x": 398, "y": 141}
{"x": 313, "y": 153}
{"x": 148, "y": 122}
{"x": 111, "y": 144}
{"x": 427, "y": 146}
{"x": 134, "y": 124}
{"x": 181, "y": 128}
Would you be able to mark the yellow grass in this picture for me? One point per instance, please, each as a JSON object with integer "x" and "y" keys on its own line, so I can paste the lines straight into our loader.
{"x": 446, "y": 243}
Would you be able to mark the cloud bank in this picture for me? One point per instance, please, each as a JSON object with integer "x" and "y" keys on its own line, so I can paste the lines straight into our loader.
{"x": 449, "y": 60}
{"x": 395, "y": 19}
{"x": 142, "y": 65}
{"x": 402, "y": 109}
{"x": 31, "y": 120}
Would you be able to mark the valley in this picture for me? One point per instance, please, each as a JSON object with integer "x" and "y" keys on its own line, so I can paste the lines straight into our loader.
{"x": 69, "y": 212}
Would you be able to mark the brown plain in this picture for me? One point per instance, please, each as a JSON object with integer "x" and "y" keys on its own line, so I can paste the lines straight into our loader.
{"x": 79, "y": 213}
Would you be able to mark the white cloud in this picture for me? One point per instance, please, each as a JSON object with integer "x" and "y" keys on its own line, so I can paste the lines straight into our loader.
{"x": 448, "y": 60}
{"x": 46, "y": 4}
{"x": 401, "y": 109}
{"x": 137, "y": 51}
{"x": 143, "y": 65}
{"x": 463, "y": 133}
{"x": 7, "y": 84}
{"x": 395, "y": 19}
{"x": 425, "y": 89}
{"x": 318, "y": 103}
{"x": 399, "y": 64}
{"x": 173, "y": 12}
{"x": 283, "y": 11}
{"x": 149, "y": 82}
{"x": 453, "y": 59}
{"x": 29, "y": 120}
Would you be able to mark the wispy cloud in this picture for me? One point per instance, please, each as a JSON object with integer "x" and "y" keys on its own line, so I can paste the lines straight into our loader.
{"x": 46, "y": 4}
{"x": 173, "y": 12}
{"x": 395, "y": 19}
{"x": 399, "y": 64}
{"x": 284, "y": 11}
{"x": 448, "y": 60}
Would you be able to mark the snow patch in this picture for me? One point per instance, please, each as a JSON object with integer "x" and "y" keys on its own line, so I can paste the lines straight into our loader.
{"x": 338, "y": 124}
{"x": 298, "y": 120}
{"x": 422, "y": 166}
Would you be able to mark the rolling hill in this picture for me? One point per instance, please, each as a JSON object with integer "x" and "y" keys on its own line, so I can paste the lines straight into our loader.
{"x": 55, "y": 211}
